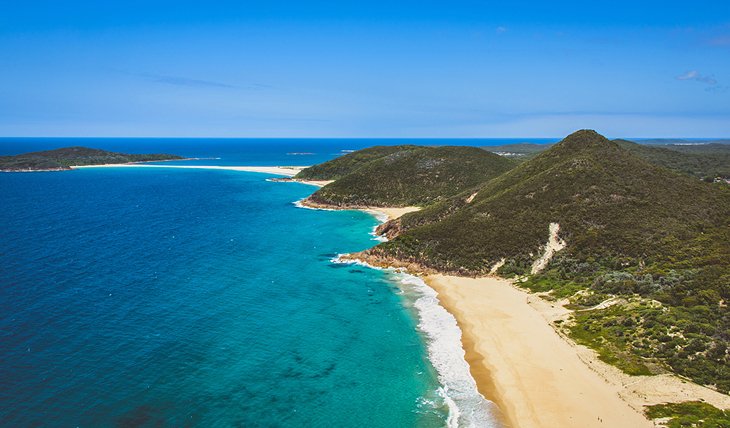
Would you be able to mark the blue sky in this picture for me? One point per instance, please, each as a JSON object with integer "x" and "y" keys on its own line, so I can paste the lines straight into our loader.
{"x": 364, "y": 69}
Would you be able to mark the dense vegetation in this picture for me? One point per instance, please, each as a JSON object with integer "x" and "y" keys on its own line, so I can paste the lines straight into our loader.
{"x": 409, "y": 175}
{"x": 609, "y": 203}
{"x": 61, "y": 159}
{"x": 690, "y": 414}
{"x": 705, "y": 148}
{"x": 702, "y": 161}
{"x": 343, "y": 165}
{"x": 653, "y": 239}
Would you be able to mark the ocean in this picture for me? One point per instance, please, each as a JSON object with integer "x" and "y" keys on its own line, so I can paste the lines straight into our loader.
{"x": 186, "y": 297}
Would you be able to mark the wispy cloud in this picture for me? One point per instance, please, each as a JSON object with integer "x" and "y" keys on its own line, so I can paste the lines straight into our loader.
{"x": 720, "y": 41}
{"x": 696, "y": 76}
{"x": 184, "y": 81}
{"x": 712, "y": 84}
{"x": 501, "y": 30}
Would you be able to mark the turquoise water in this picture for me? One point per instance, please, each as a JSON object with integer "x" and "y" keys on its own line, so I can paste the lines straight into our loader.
{"x": 176, "y": 297}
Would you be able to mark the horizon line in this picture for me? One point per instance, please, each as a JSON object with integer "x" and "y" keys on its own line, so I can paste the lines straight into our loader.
{"x": 348, "y": 138}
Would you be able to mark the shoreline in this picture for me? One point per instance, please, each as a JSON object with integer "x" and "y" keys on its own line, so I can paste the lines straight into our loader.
{"x": 508, "y": 369}
{"x": 535, "y": 374}
{"x": 533, "y": 371}
{"x": 516, "y": 356}
{"x": 383, "y": 214}
{"x": 287, "y": 171}
{"x": 442, "y": 336}
{"x": 520, "y": 362}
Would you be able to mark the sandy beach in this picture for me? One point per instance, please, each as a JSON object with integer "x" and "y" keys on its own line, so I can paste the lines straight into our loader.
{"x": 382, "y": 213}
{"x": 318, "y": 183}
{"x": 390, "y": 213}
{"x": 539, "y": 378}
{"x": 523, "y": 365}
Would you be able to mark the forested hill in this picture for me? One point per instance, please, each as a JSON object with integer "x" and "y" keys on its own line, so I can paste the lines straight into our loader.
{"x": 705, "y": 161}
{"x": 343, "y": 165}
{"x": 404, "y": 175}
{"x": 63, "y": 159}
{"x": 608, "y": 202}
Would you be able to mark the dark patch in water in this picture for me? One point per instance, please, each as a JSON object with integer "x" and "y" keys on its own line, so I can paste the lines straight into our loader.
{"x": 338, "y": 266}
{"x": 291, "y": 372}
{"x": 327, "y": 255}
{"x": 141, "y": 416}
{"x": 356, "y": 271}
{"x": 327, "y": 370}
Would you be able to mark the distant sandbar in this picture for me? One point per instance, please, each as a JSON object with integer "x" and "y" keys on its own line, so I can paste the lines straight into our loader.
{"x": 288, "y": 171}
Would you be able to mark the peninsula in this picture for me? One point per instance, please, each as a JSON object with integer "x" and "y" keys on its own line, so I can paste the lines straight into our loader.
{"x": 64, "y": 158}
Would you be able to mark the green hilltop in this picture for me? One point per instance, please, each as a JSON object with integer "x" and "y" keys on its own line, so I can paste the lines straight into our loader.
{"x": 64, "y": 158}
{"x": 403, "y": 175}
{"x": 706, "y": 160}
{"x": 654, "y": 240}
{"x": 343, "y": 165}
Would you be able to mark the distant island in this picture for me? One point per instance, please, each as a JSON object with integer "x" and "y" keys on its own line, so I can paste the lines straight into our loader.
{"x": 629, "y": 241}
{"x": 64, "y": 158}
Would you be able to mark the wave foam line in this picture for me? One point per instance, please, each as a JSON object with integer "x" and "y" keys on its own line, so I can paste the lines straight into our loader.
{"x": 299, "y": 204}
{"x": 467, "y": 406}
{"x": 379, "y": 216}
{"x": 376, "y": 237}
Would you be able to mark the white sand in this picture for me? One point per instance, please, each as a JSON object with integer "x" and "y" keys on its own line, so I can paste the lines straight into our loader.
{"x": 288, "y": 171}
{"x": 390, "y": 213}
{"x": 318, "y": 183}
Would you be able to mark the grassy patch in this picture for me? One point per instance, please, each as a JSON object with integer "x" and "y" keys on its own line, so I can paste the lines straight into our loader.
{"x": 609, "y": 339}
{"x": 560, "y": 289}
{"x": 694, "y": 414}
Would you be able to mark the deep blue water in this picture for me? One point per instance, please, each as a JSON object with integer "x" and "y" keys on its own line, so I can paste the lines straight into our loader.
{"x": 186, "y": 297}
